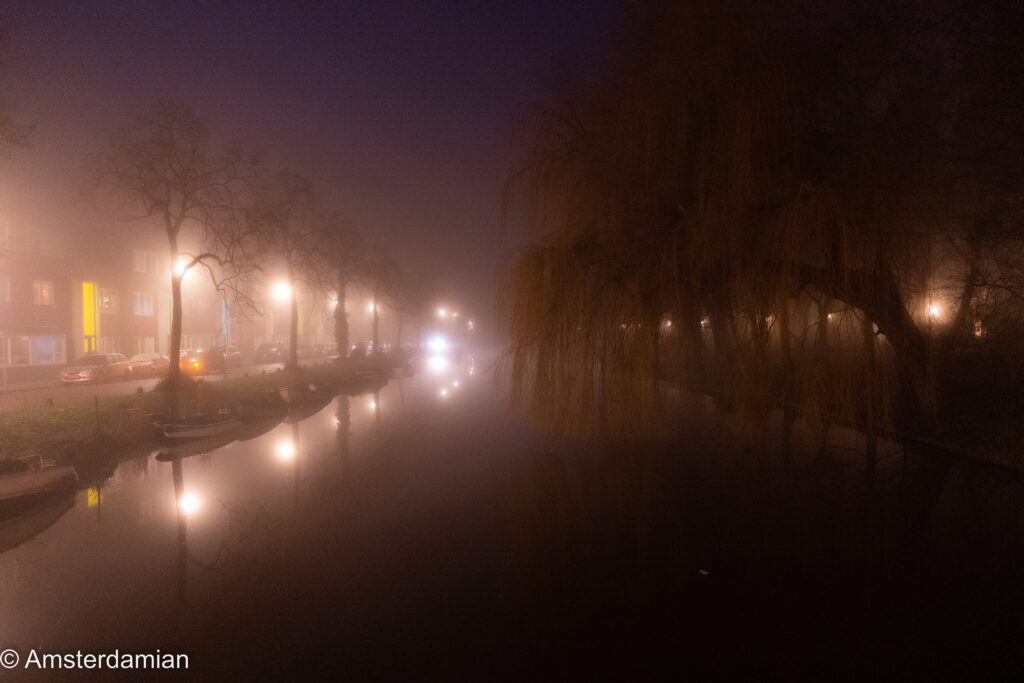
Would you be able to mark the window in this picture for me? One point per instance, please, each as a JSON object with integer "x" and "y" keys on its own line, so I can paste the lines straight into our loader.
{"x": 145, "y": 345}
{"x": 48, "y": 350}
{"x": 38, "y": 350}
{"x": 144, "y": 261}
{"x": 42, "y": 292}
{"x": 143, "y": 303}
{"x": 110, "y": 344}
{"x": 108, "y": 300}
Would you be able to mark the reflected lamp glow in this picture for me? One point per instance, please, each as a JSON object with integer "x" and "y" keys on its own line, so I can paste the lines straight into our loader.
{"x": 282, "y": 291}
{"x": 286, "y": 451}
{"x": 437, "y": 364}
{"x": 188, "y": 503}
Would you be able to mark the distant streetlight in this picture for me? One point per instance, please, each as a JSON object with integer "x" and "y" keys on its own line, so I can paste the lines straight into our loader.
{"x": 442, "y": 313}
{"x": 370, "y": 307}
{"x": 282, "y": 291}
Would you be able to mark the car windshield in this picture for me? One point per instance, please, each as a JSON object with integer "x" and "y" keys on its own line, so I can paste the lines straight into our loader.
{"x": 91, "y": 360}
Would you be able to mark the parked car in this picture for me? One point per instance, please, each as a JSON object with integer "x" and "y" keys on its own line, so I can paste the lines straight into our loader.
{"x": 361, "y": 349}
{"x": 271, "y": 352}
{"x": 202, "y": 362}
{"x": 304, "y": 351}
{"x": 149, "y": 364}
{"x": 232, "y": 356}
{"x": 96, "y": 367}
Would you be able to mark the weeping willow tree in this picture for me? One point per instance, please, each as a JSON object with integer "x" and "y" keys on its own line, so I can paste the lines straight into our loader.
{"x": 742, "y": 190}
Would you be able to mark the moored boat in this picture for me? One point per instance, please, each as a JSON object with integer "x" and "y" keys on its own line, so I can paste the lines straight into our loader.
{"x": 198, "y": 425}
{"x": 18, "y": 479}
{"x": 199, "y": 446}
{"x": 27, "y": 519}
{"x": 268, "y": 405}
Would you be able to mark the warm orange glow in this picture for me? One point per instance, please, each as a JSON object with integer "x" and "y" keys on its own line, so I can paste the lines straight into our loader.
{"x": 181, "y": 265}
{"x": 188, "y": 503}
{"x": 286, "y": 450}
{"x": 282, "y": 291}
{"x": 934, "y": 310}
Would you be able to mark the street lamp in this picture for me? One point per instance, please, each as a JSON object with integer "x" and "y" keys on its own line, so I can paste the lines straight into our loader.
{"x": 181, "y": 267}
{"x": 282, "y": 291}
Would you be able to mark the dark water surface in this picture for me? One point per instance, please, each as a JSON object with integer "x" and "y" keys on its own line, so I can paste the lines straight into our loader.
{"x": 427, "y": 532}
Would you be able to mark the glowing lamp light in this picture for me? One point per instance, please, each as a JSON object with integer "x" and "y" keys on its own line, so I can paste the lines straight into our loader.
{"x": 181, "y": 266}
{"x": 188, "y": 503}
{"x": 437, "y": 343}
{"x": 370, "y": 307}
{"x": 455, "y": 383}
{"x": 444, "y": 393}
{"x": 282, "y": 291}
{"x": 442, "y": 313}
{"x": 373, "y": 404}
{"x": 934, "y": 310}
{"x": 286, "y": 451}
{"x": 437, "y": 364}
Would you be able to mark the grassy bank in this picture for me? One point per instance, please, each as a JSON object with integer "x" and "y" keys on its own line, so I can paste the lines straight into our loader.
{"x": 104, "y": 427}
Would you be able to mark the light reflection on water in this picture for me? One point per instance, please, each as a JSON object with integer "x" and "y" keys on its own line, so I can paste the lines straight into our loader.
{"x": 119, "y": 559}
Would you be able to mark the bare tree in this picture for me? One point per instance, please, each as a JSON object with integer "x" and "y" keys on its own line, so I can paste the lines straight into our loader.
{"x": 343, "y": 256}
{"x": 288, "y": 221}
{"x": 164, "y": 173}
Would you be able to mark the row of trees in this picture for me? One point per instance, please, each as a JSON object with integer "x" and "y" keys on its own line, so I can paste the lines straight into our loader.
{"x": 223, "y": 215}
{"x": 809, "y": 205}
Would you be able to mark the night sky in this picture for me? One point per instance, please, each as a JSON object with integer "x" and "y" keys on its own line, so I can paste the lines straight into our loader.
{"x": 403, "y": 113}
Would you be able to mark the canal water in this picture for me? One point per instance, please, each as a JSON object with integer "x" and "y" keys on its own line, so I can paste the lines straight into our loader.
{"x": 426, "y": 531}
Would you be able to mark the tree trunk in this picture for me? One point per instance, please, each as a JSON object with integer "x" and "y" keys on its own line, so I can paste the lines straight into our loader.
{"x": 877, "y": 294}
{"x": 870, "y": 380}
{"x": 174, "y": 352}
{"x": 293, "y": 329}
{"x": 376, "y": 324}
{"x": 341, "y": 319}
